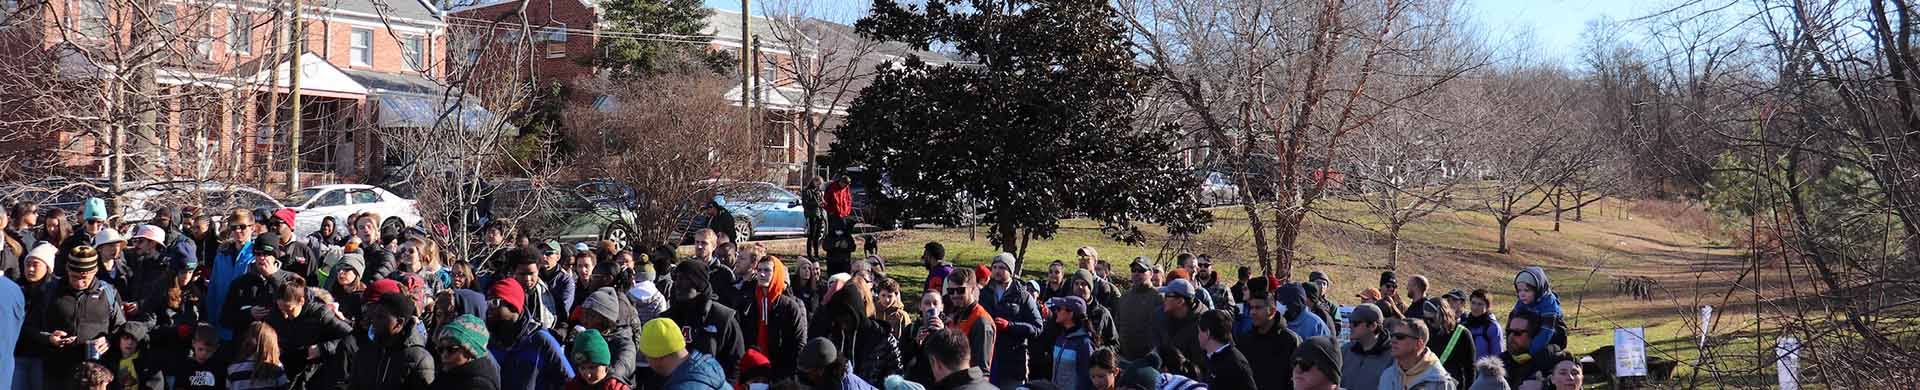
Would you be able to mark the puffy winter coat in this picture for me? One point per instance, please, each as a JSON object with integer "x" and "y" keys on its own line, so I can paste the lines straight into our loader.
{"x": 534, "y": 360}
{"x": 394, "y": 363}
{"x": 699, "y": 372}
{"x": 86, "y": 314}
{"x": 1015, "y": 305}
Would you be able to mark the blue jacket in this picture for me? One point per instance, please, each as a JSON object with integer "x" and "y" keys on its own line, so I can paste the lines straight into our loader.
{"x": 1073, "y": 360}
{"x": 13, "y": 316}
{"x": 699, "y": 372}
{"x": 1547, "y": 307}
{"x": 1017, "y": 306}
{"x": 1308, "y": 325}
{"x": 226, "y": 268}
{"x": 1488, "y": 337}
{"x": 535, "y": 361}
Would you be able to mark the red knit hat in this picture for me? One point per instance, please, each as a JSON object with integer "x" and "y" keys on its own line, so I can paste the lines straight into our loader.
{"x": 382, "y": 287}
{"x": 509, "y": 290}
{"x": 981, "y": 273}
{"x": 753, "y": 359}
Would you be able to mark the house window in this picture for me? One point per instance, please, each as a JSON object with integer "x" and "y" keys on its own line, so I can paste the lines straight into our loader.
{"x": 240, "y": 37}
{"x": 360, "y": 47}
{"x": 770, "y": 73}
{"x": 90, "y": 18}
{"x": 556, "y": 41}
{"x": 413, "y": 48}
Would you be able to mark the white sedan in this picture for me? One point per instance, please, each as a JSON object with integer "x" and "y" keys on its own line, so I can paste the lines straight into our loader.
{"x": 342, "y": 200}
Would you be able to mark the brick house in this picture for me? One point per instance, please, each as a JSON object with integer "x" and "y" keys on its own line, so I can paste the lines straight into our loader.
{"x": 368, "y": 65}
{"x": 564, "y": 35}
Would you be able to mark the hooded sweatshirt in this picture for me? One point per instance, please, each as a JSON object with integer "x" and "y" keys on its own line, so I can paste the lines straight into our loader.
{"x": 1299, "y": 319}
{"x": 1423, "y": 375}
{"x": 609, "y": 304}
{"x": 533, "y": 360}
{"x": 1547, "y": 305}
{"x": 1362, "y": 368}
{"x": 776, "y": 322}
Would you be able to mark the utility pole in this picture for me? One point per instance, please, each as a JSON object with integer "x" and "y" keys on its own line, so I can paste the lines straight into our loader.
{"x": 746, "y": 63}
{"x": 293, "y": 86}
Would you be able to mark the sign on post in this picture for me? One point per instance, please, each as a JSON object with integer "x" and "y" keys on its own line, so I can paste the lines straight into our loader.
{"x": 1341, "y": 314}
{"x": 1629, "y": 352}
{"x": 1789, "y": 364}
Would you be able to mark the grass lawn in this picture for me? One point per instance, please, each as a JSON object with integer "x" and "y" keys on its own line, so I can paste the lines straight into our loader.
{"x": 1584, "y": 259}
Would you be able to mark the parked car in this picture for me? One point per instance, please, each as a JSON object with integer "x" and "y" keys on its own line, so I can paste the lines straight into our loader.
{"x": 596, "y": 209}
{"x": 1217, "y": 189}
{"x": 144, "y": 204}
{"x": 55, "y": 193}
{"x": 760, "y": 209}
{"x": 343, "y": 200}
{"x": 875, "y": 201}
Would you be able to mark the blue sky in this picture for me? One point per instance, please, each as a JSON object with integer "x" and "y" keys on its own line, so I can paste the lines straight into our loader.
{"x": 1553, "y": 26}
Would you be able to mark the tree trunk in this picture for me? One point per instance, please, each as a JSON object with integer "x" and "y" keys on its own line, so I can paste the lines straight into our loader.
{"x": 1287, "y": 237}
{"x": 1393, "y": 247}
{"x": 1258, "y": 226}
{"x": 1505, "y": 221}
{"x": 1556, "y": 211}
{"x": 1578, "y": 205}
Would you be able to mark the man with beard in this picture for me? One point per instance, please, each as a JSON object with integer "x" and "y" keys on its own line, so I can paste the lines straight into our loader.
{"x": 70, "y": 323}
{"x": 395, "y": 356}
{"x": 1103, "y": 289}
{"x": 709, "y": 327}
{"x": 1219, "y": 296}
{"x": 1016, "y": 319}
{"x": 530, "y": 358}
{"x": 296, "y": 256}
{"x": 143, "y": 256}
{"x": 1268, "y": 343}
{"x": 776, "y": 323}
{"x": 251, "y": 296}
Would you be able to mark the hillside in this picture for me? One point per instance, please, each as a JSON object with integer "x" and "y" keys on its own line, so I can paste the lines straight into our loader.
{"x": 1661, "y": 246}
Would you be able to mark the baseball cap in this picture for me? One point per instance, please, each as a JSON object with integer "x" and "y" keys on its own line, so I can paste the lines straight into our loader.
{"x": 1178, "y": 287}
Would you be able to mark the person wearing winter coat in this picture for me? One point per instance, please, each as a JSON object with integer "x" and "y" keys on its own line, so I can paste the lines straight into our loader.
{"x": 113, "y": 266}
{"x": 1536, "y": 296}
{"x": 949, "y": 353}
{"x": 1180, "y": 346}
{"x": 1299, "y": 319}
{"x": 29, "y": 358}
{"x": 396, "y": 355}
{"x": 775, "y": 322}
{"x": 716, "y": 328}
{"x": 1414, "y": 366}
{"x": 1138, "y": 313}
{"x": 669, "y": 357}
{"x": 871, "y": 352}
{"x": 250, "y": 297}
{"x": 1489, "y": 374}
{"x": 1227, "y": 368}
{"x": 13, "y": 317}
{"x": 1073, "y": 348}
{"x": 233, "y": 258}
{"x": 612, "y": 315}
{"x": 1016, "y": 319}
{"x": 304, "y": 326}
{"x": 462, "y": 343}
{"x": 1369, "y": 354}
{"x": 1489, "y": 340}
{"x": 590, "y": 358}
{"x": 1267, "y": 342}
{"x": 73, "y": 318}
{"x": 529, "y": 356}
{"x": 1449, "y": 341}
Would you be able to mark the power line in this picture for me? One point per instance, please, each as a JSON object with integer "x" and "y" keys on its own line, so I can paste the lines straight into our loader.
{"x": 570, "y": 31}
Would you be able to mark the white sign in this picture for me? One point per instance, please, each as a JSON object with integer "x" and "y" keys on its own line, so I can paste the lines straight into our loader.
{"x": 1630, "y": 352}
{"x": 1789, "y": 365}
{"x": 1706, "y": 323}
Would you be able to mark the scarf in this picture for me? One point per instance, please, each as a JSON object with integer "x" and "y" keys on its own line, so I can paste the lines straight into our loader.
{"x": 1427, "y": 360}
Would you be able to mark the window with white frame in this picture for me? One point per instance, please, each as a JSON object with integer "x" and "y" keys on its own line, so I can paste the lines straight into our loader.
{"x": 240, "y": 33}
{"x": 413, "y": 48}
{"x": 90, "y": 18}
{"x": 556, "y": 40}
{"x": 360, "y": 47}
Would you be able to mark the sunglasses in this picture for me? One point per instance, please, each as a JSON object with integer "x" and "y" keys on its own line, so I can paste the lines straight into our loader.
{"x": 957, "y": 291}
{"x": 1302, "y": 366}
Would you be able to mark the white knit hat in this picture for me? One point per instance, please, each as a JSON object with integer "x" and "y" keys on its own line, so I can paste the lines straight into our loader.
{"x": 43, "y": 253}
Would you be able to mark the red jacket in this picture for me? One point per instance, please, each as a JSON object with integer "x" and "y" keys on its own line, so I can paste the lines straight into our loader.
{"x": 839, "y": 200}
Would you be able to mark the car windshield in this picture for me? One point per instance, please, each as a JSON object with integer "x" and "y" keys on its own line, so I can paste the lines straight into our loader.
{"x": 301, "y": 198}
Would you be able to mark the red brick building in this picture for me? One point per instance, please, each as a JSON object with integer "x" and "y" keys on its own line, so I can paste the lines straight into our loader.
{"x": 563, "y": 35}
{"x": 222, "y": 80}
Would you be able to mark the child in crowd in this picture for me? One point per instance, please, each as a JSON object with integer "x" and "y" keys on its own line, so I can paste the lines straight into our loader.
{"x": 260, "y": 367}
{"x": 1536, "y": 296}
{"x": 205, "y": 368}
{"x": 590, "y": 358}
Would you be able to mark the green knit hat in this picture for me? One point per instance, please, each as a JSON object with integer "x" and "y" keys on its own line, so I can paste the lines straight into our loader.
{"x": 590, "y": 347}
{"x": 469, "y": 332}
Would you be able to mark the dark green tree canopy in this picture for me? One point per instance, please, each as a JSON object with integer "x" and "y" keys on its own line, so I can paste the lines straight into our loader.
{"x": 1036, "y": 125}
{"x": 626, "y": 56}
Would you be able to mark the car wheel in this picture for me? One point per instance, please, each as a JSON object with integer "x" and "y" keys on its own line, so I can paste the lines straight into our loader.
{"x": 746, "y": 229}
{"x": 617, "y": 232}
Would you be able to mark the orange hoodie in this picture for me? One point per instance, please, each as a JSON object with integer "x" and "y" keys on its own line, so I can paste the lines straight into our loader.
{"x": 765, "y": 296}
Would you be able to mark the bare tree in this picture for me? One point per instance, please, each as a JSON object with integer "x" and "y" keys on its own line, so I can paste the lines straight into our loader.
{"x": 1408, "y": 165}
{"x": 665, "y": 136}
{"x": 1275, "y": 89}
{"x": 826, "y": 66}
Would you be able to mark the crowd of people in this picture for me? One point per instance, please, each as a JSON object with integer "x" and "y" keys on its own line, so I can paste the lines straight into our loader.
{"x": 232, "y": 299}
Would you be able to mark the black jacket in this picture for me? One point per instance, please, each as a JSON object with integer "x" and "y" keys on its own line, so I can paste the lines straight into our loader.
{"x": 379, "y": 262}
{"x": 716, "y": 331}
{"x": 874, "y": 352}
{"x": 250, "y": 289}
{"x": 316, "y": 325}
{"x": 479, "y": 374}
{"x": 395, "y": 363}
{"x": 1460, "y": 363}
{"x": 1228, "y": 369}
{"x": 971, "y": 379}
{"x": 85, "y": 314}
{"x": 1266, "y": 350}
{"x": 786, "y": 326}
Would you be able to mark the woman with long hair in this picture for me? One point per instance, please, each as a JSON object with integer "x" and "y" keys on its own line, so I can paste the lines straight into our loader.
{"x": 258, "y": 366}
{"x": 54, "y": 227}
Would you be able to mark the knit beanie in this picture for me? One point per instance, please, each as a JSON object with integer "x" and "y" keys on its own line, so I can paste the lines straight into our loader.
{"x": 590, "y": 347}
{"x": 468, "y": 331}
{"x": 661, "y": 337}
{"x": 510, "y": 291}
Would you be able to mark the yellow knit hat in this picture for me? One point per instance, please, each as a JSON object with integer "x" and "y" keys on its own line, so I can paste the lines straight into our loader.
{"x": 661, "y": 337}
